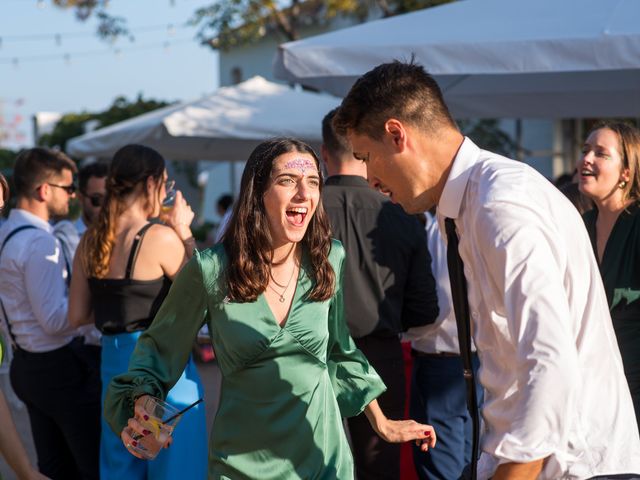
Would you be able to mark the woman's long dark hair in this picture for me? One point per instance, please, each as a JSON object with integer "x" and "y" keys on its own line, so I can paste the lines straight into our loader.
{"x": 248, "y": 241}
{"x": 131, "y": 166}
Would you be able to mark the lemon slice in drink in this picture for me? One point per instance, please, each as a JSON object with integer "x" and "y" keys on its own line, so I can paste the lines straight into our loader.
{"x": 154, "y": 426}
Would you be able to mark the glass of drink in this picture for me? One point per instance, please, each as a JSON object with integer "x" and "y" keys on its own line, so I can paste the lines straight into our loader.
{"x": 163, "y": 418}
{"x": 170, "y": 199}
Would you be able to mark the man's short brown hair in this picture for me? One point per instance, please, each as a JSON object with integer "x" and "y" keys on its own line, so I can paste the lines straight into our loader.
{"x": 35, "y": 166}
{"x": 404, "y": 91}
{"x": 337, "y": 145}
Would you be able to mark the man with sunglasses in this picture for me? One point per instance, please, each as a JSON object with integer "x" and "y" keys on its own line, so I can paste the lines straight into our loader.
{"x": 48, "y": 371}
{"x": 92, "y": 180}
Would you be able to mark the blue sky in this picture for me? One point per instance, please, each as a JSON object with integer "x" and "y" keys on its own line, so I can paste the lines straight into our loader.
{"x": 85, "y": 73}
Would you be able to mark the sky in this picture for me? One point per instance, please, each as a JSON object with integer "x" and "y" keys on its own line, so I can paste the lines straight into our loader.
{"x": 52, "y": 62}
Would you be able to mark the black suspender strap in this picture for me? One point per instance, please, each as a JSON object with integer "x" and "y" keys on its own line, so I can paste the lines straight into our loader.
{"x": 461, "y": 309}
{"x": 14, "y": 343}
{"x": 135, "y": 248}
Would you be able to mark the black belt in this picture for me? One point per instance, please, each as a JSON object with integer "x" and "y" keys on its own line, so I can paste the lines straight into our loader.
{"x": 418, "y": 353}
{"x": 74, "y": 343}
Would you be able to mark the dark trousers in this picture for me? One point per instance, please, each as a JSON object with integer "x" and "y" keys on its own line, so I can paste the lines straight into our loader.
{"x": 62, "y": 395}
{"x": 438, "y": 398}
{"x": 374, "y": 458}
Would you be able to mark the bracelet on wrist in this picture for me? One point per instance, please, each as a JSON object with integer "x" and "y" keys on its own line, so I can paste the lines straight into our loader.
{"x": 189, "y": 245}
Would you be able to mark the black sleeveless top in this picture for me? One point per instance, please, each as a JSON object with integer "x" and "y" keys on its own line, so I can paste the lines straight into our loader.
{"x": 124, "y": 304}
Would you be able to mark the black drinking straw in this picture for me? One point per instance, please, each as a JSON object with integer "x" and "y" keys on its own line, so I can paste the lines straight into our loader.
{"x": 182, "y": 411}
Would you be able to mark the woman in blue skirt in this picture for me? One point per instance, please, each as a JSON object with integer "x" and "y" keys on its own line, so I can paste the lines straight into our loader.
{"x": 122, "y": 272}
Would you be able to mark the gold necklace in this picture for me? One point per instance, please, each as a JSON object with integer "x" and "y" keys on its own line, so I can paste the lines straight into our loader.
{"x": 286, "y": 287}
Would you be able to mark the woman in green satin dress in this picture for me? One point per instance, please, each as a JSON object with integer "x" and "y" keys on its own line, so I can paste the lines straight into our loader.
{"x": 271, "y": 294}
{"x": 609, "y": 174}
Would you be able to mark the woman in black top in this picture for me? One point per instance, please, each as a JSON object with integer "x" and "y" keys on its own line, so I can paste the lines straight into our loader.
{"x": 122, "y": 271}
{"x": 609, "y": 174}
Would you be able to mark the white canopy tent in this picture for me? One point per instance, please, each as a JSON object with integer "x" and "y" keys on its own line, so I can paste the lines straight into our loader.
{"x": 493, "y": 58}
{"x": 224, "y": 126}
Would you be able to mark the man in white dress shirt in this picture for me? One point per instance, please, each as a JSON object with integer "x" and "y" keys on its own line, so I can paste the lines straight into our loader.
{"x": 48, "y": 371}
{"x": 556, "y": 404}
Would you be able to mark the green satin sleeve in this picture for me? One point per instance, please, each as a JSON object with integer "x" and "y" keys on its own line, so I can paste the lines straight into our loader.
{"x": 162, "y": 351}
{"x": 354, "y": 380}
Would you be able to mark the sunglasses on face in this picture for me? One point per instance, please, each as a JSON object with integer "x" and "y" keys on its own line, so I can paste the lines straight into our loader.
{"x": 96, "y": 200}
{"x": 70, "y": 189}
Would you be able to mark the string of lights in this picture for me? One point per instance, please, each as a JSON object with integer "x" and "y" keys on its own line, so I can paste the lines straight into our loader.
{"x": 68, "y": 57}
{"x": 59, "y": 37}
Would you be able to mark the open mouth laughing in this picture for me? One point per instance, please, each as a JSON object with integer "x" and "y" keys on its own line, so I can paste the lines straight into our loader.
{"x": 297, "y": 215}
{"x": 585, "y": 172}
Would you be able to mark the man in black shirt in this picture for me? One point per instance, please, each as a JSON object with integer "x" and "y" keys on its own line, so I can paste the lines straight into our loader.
{"x": 388, "y": 288}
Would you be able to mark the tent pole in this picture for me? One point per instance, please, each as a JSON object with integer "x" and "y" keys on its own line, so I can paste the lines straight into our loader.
{"x": 519, "y": 150}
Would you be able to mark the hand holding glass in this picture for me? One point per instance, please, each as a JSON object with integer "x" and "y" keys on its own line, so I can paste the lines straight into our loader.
{"x": 151, "y": 428}
{"x": 170, "y": 199}
{"x": 179, "y": 216}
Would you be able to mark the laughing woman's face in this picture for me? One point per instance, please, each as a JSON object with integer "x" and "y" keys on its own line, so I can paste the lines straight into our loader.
{"x": 600, "y": 168}
{"x": 292, "y": 197}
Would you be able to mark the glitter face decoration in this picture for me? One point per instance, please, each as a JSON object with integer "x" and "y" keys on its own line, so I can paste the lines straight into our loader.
{"x": 302, "y": 163}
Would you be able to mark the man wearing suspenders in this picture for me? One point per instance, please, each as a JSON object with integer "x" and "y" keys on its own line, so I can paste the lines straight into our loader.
{"x": 48, "y": 374}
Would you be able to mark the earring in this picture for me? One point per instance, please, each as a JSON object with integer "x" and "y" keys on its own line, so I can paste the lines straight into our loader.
{"x": 622, "y": 184}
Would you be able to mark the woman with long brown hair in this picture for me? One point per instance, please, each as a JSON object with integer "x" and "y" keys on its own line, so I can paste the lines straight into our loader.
{"x": 271, "y": 294}
{"x": 609, "y": 174}
{"x": 122, "y": 272}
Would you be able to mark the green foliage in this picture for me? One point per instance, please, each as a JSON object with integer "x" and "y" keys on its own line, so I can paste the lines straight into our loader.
{"x": 406, "y": 6}
{"x": 69, "y": 126}
{"x": 7, "y": 160}
{"x": 224, "y": 24}
{"x": 122, "y": 109}
{"x": 72, "y": 124}
{"x": 109, "y": 27}
{"x": 487, "y": 135}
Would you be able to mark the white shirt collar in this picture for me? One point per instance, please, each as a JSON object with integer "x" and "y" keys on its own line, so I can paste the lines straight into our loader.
{"x": 453, "y": 192}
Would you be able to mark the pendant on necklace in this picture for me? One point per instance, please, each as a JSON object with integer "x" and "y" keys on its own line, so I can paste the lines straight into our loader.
{"x": 281, "y": 299}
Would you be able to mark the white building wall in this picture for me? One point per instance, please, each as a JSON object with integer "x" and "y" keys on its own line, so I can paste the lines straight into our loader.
{"x": 257, "y": 58}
